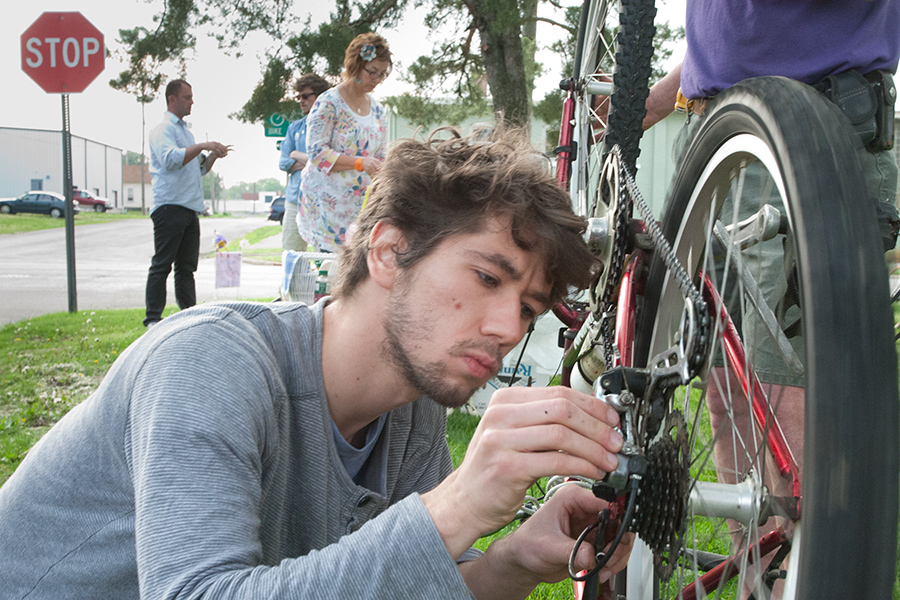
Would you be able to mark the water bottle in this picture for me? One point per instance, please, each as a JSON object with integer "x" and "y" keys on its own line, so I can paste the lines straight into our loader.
{"x": 323, "y": 286}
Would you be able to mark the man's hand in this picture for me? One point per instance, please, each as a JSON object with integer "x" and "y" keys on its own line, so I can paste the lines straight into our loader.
{"x": 545, "y": 541}
{"x": 525, "y": 434}
{"x": 217, "y": 150}
{"x": 539, "y": 550}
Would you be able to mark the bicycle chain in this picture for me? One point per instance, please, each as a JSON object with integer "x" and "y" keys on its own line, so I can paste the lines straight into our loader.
{"x": 673, "y": 266}
{"x": 616, "y": 264}
{"x": 624, "y": 208}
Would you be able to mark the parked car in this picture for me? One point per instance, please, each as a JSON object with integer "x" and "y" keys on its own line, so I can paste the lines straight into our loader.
{"x": 40, "y": 202}
{"x": 276, "y": 210}
{"x": 87, "y": 199}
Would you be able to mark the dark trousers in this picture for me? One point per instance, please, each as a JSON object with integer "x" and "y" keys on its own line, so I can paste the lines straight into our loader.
{"x": 176, "y": 237}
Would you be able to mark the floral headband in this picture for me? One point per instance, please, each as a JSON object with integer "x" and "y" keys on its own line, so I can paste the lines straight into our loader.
{"x": 368, "y": 52}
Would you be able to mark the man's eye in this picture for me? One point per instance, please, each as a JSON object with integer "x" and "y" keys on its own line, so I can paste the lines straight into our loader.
{"x": 528, "y": 312}
{"x": 488, "y": 279}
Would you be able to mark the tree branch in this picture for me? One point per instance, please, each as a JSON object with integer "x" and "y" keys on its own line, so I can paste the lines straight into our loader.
{"x": 569, "y": 28}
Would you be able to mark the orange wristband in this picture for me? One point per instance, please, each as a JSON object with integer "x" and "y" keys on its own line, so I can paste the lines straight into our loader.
{"x": 357, "y": 164}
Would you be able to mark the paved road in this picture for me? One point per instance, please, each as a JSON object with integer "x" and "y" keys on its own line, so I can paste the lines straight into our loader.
{"x": 111, "y": 262}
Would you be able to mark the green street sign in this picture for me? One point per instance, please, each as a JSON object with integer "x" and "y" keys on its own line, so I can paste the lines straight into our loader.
{"x": 278, "y": 145}
{"x": 276, "y": 125}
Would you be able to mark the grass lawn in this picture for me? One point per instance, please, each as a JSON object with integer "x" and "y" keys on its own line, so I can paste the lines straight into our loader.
{"x": 49, "y": 364}
{"x": 272, "y": 255}
{"x": 19, "y": 223}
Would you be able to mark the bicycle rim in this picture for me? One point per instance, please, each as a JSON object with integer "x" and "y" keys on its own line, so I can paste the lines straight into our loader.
{"x": 615, "y": 42}
{"x": 774, "y": 142}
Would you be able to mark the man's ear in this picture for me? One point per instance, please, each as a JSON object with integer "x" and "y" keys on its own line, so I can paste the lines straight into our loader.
{"x": 385, "y": 241}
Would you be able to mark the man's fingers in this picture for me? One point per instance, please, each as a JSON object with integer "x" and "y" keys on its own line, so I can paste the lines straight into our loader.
{"x": 508, "y": 397}
{"x": 555, "y": 444}
{"x": 521, "y": 468}
{"x": 220, "y": 149}
{"x": 619, "y": 559}
{"x": 596, "y": 423}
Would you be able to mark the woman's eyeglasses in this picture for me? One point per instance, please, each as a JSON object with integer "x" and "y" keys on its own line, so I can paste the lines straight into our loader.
{"x": 305, "y": 96}
{"x": 375, "y": 75}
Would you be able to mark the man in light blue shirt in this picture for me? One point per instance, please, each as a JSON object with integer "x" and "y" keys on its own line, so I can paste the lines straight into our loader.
{"x": 176, "y": 165}
{"x": 293, "y": 159}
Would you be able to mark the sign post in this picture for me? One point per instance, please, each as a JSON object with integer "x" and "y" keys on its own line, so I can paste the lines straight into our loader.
{"x": 63, "y": 52}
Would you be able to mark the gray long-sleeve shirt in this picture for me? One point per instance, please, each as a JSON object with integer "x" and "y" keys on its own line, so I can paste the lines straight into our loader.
{"x": 204, "y": 466}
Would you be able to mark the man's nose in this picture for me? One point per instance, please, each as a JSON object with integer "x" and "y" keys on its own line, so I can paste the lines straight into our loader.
{"x": 503, "y": 320}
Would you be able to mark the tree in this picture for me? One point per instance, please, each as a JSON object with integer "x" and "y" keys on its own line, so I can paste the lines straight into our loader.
{"x": 484, "y": 57}
{"x": 483, "y": 50}
{"x": 134, "y": 158}
{"x": 213, "y": 186}
{"x": 271, "y": 95}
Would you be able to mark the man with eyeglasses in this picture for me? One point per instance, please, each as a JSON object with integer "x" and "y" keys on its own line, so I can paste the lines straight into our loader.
{"x": 293, "y": 159}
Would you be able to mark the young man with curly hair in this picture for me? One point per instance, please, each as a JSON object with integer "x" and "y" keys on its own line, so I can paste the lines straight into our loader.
{"x": 290, "y": 451}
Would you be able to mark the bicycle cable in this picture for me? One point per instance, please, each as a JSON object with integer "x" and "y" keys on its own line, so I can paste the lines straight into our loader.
{"x": 512, "y": 375}
{"x": 602, "y": 558}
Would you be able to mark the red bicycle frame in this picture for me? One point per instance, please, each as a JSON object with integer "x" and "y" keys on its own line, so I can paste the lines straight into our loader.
{"x": 565, "y": 152}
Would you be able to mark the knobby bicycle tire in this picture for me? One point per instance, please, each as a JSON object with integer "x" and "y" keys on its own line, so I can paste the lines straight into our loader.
{"x": 783, "y": 140}
{"x": 629, "y": 99}
{"x": 614, "y": 39}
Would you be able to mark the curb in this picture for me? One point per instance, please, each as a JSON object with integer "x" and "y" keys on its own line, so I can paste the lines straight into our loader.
{"x": 245, "y": 259}
{"x": 256, "y": 261}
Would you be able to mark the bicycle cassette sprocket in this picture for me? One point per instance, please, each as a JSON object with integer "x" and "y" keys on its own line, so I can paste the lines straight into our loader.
{"x": 660, "y": 512}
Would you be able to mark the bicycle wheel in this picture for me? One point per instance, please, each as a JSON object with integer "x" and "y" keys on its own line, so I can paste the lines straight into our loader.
{"x": 615, "y": 43}
{"x": 807, "y": 290}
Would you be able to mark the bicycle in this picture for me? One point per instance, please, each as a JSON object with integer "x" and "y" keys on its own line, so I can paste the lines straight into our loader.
{"x": 662, "y": 339}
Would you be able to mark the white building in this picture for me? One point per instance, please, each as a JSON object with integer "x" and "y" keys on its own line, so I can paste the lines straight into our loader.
{"x": 131, "y": 187}
{"x": 32, "y": 159}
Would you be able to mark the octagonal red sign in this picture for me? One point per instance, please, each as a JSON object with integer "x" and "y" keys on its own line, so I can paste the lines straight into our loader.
{"x": 63, "y": 52}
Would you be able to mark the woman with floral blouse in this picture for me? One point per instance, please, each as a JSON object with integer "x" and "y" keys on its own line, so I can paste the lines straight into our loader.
{"x": 345, "y": 142}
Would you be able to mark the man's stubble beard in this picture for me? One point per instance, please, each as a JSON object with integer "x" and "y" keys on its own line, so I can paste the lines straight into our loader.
{"x": 429, "y": 378}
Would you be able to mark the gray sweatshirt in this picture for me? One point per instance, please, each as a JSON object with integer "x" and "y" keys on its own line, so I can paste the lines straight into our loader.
{"x": 204, "y": 466}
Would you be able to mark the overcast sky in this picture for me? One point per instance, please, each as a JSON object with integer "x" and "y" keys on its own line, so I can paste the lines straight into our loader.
{"x": 221, "y": 84}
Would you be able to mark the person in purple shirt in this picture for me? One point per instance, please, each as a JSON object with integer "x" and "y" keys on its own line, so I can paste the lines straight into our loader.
{"x": 807, "y": 40}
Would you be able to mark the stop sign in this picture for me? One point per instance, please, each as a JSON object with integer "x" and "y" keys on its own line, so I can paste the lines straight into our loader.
{"x": 62, "y": 52}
